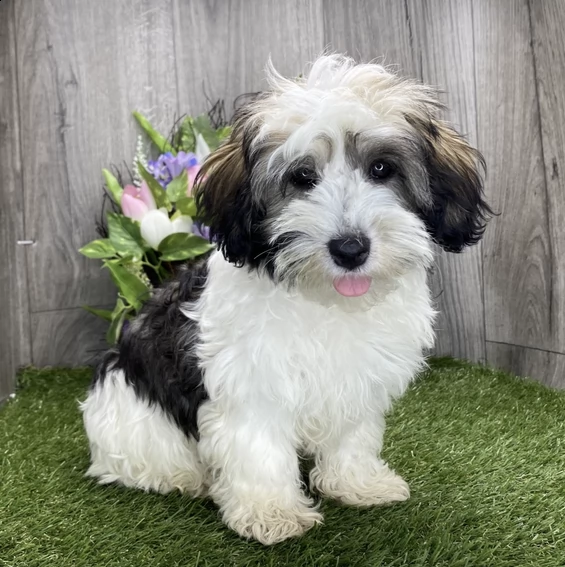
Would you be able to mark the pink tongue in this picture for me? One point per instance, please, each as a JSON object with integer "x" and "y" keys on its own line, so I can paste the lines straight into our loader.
{"x": 352, "y": 286}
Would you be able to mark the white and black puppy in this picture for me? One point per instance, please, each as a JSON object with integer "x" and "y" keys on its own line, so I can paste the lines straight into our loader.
{"x": 314, "y": 314}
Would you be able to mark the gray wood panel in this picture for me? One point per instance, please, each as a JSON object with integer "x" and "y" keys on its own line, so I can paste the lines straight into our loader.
{"x": 548, "y": 22}
{"x": 83, "y": 67}
{"x": 516, "y": 250}
{"x": 443, "y": 35}
{"x": 72, "y": 72}
{"x": 541, "y": 365}
{"x": 67, "y": 337}
{"x": 372, "y": 30}
{"x": 14, "y": 320}
{"x": 222, "y": 47}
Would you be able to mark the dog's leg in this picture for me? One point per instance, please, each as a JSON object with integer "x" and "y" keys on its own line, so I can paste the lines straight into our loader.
{"x": 348, "y": 468}
{"x": 137, "y": 444}
{"x": 255, "y": 474}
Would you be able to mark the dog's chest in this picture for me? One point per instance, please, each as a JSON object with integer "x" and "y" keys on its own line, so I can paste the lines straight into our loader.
{"x": 314, "y": 361}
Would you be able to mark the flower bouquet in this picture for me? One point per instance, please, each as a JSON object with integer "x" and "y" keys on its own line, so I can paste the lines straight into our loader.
{"x": 151, "y": 224}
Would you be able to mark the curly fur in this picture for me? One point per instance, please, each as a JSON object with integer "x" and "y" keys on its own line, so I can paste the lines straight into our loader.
{"x": 314, "y": 314}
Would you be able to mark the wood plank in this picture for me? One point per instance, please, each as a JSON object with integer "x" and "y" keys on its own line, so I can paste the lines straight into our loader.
{"x": 67, "y": 337}
{"x": 83, "y": 67}
{"x": 443, "y": 34}
{"x": 373, "y": 29}
{"x": 222, "y": 47}
{"x": 14, "y": 321}
{"x": 541, "y": 365}
{"x": 548, "y": 21}
{"x": 517, "y": 260}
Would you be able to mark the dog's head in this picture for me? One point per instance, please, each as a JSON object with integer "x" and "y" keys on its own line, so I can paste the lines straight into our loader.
{"x": 338, "y": 181}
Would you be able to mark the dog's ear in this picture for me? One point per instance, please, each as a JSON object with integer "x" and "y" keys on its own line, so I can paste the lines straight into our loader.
{"x": 223, "y": 194}
{"x": 458, "y": 213}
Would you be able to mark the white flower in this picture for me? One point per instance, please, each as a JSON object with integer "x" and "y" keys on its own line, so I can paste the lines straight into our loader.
{"x": 156, "y": 226}
{"x": 202, "y": 151}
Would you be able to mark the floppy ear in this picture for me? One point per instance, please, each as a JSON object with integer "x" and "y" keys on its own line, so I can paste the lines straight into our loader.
{"x": 223, "y": 195}
{"x": 458, "y": 213}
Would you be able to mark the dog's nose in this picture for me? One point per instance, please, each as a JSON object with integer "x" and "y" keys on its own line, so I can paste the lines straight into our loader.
{"x": 350, "y": 252}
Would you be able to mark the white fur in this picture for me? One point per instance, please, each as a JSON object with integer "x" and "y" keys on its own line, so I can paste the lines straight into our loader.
{"x": 285, "y": 376}
{"x": 296, "y": 369}
{"x": 135, "y": 444}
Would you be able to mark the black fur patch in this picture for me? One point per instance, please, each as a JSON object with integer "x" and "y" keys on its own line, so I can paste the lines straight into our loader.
{"x": 156, "y": 351}
{"x": 459, "y": 214}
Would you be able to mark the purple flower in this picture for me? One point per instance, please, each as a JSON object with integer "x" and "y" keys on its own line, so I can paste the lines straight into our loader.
{"x": 177, "y": 164}
{"x": 168, "y": 166}
{"x": 201, "y": 230}
{"x": 159, "y": 170}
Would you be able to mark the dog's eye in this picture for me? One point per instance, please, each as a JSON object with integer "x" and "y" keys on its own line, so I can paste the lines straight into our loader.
{"x": 380, "y": 170}
{"x": 305, "y": 177}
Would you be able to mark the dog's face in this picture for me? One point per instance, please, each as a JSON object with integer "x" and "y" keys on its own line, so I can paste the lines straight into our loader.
{"x": 336, "y": 183}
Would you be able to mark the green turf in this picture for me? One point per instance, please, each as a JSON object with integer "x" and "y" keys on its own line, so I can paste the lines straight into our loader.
{"x": 484, "y": 454}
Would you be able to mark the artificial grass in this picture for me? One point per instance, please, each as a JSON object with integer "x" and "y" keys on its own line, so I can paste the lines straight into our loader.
{"x": 484, "y": 454}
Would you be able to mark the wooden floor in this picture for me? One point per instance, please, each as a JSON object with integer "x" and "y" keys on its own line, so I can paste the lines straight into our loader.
{"x": 71, "y": 71}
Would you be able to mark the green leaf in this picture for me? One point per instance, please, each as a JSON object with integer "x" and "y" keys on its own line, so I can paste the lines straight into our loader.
{"x": 161, "y": 199}
{"x": 158, "y": 139}
{"x": 202, "y": 125}
{"x": 224, "y": 132}
{"x": 184, "y": 138}
{"x": 178, "y": 187}
{"x": 131, "y": 286}
{"x": 125, "y": 235}
{"x": 105, "y": 314}
{"x": 186, "y": 206}
{"x": 183, "y": 246}
{"x": 116, "y": 322}
{"x": 113, "y": 186}
{"x": 101, "y": 248}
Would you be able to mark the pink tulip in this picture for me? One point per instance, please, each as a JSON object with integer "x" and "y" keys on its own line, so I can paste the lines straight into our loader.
{"x": 192, "y": 173}
{"x": 137, "y": 201}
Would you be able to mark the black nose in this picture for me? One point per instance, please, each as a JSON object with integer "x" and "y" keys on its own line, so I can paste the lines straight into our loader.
{"x": 350, "y": 252}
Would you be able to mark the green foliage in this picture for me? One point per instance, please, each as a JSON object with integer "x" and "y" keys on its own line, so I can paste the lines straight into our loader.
{"x": 129, "y": 259}
{"x": 130, "y": 284}
{"x": 117, "y": 321}
{"x": 99, "y": 249}
{"x": 158, "y": 139}
{"x": 185, "y": 137}
{"x": 178, "y": 187}
{"x": 186, "y": 206}
{"x": 113, "y": 186}
{"x": 183, "y": 246}
{"x": 125, "y": 236}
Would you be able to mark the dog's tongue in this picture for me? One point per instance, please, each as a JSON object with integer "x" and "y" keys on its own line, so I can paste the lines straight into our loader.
{"x": 352, "y": 286}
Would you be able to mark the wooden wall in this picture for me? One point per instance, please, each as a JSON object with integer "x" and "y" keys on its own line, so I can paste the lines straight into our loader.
{"x": 72, "y": 70}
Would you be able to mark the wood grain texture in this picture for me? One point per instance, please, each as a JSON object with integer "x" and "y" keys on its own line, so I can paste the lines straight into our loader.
{"x": 541, "y": 365}
{"x": 443, "y": 35}
{"x": 222, "y": 47}
{"x": 372, "y": 29}
{"x": 67, "y": 337}
{"x": 14, "y": 320}
{"x": 517, "y": 257}
{"x": 83, "y": 67}
{"x": 548, "y": 22}
{"x": 72, "y": 72}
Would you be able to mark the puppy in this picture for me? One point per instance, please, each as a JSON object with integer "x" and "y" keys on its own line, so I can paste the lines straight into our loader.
{"x": 314, "y": 313}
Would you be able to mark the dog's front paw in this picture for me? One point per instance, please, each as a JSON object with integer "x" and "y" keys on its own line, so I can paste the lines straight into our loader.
{"x": 269, "y": 522}
{"x": 360, "y": 486}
